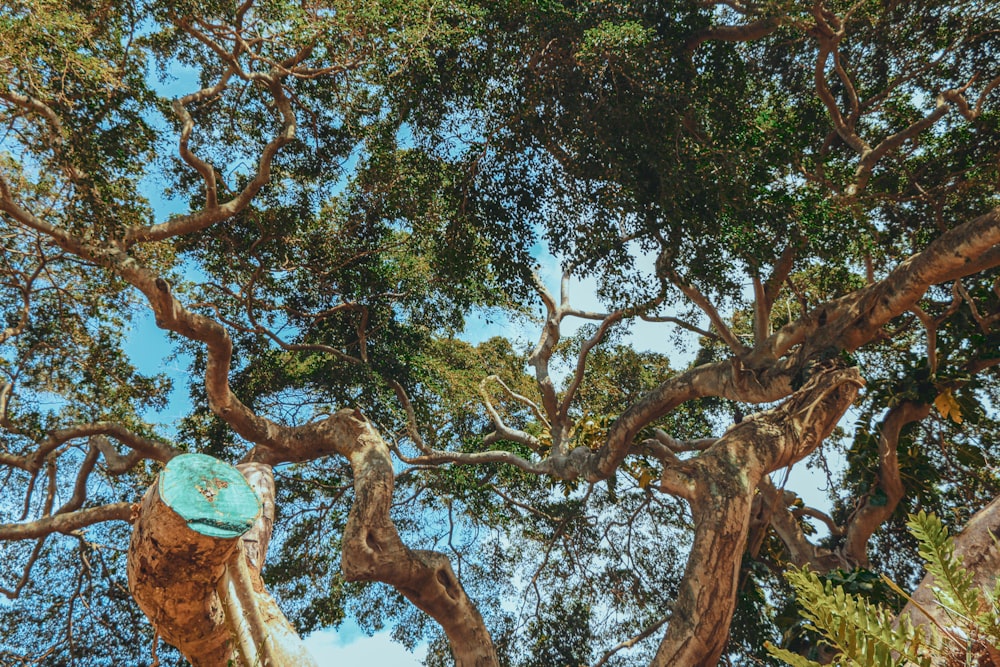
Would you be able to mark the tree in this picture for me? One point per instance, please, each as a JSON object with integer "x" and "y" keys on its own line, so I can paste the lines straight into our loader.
{"x": 347, "y": 181}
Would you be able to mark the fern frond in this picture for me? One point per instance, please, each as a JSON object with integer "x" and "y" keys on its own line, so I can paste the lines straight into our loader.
{"x": 793, "y": 659}
{"x": 862, "y": 632}
{"x": 954, "y": 586}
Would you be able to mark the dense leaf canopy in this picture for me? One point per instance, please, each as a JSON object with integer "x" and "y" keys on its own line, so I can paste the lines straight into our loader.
{"x": 349, "y": 212}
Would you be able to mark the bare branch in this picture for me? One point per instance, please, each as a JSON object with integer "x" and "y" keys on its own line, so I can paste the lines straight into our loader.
{"x": 151, "y": 449}
{"x": 542, "y": 354}
{"x": 66, "y": 523}
{"x": 524, "y": 400}
{"x": 631, "y": 641}
{"x": 785, "y": 525}
{"x": 699, "y": 299}
{"x": 831, "y": 525}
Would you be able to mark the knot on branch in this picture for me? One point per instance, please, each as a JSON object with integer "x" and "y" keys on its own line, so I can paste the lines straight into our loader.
{"x": 812, "y": 412}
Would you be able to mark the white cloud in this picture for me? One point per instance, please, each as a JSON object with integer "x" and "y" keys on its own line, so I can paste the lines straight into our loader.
{"x": 348, "y": 649}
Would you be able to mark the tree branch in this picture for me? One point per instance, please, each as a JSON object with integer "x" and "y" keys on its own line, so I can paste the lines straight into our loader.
{"x": 66, "y": 523}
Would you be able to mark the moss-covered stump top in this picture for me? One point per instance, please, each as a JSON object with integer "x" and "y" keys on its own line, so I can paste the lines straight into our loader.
{"x": 210, "y": 495}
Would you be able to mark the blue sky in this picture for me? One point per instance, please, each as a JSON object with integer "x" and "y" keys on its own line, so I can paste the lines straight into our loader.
{"x": 350, "y": 646}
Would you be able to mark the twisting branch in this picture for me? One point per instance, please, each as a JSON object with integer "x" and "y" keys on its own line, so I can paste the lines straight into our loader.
{"x": 148, "y": 448}
{"x": 115, "y": 463}
{"x": 80, "y": 485}
{"x": 829, "y": 31}
{"x": 206, "y": 170}
{"x": 784, "y": 522}
{"x": 869, "y": 516}
{"x": 66, "y": 522}
{"x": 373, "y": 551}
{"x": 831, "y": 525}
{"x": 699, "y": 299}
{"x": 744, "y": 455}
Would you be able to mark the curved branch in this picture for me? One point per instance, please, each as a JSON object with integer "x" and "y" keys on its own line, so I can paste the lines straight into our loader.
{"x": 213, "y": 213}
{"x": 540, "y": 356}
{"x": 870, "y": 515}
{"x": 581, "y": 361}
{"x": 66, "y": 523}
{"x": 373, "y": 551}
{"x": 800, "y": 550}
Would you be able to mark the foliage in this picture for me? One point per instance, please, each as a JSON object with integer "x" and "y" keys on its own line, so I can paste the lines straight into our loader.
{"x": 365, "y": 205}
{"x": 864, "y": 634}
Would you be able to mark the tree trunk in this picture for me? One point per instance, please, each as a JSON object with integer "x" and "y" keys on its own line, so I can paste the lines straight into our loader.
{"x": 722, "y": 483}
{"x": 188, "y": 570}
{"x": 699, "y": 625}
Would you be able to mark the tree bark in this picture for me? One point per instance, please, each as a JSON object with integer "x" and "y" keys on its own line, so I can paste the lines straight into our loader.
{"x": 723, "y": 481}
{"x": 194, "y": 565}
{"x": 373, "y": 551}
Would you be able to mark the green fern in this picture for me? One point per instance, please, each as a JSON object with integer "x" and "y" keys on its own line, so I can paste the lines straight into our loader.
{"x": 954, "y": 587}
{"x": 868, "y": 635}
{"x": 862, "y": 633}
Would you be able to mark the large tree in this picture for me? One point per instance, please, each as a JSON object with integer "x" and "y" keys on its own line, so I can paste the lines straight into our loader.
{"x": 310, "y": 199}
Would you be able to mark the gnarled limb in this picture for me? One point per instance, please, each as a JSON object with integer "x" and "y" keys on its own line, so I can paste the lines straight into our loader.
{"x": 870, "y": 515}
{"x": 725, "y": 478}
{"x": 373, "y": 551}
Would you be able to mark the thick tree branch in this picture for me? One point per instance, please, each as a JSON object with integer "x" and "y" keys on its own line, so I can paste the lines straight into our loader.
{"x": 785, "y": 524}
{"x": 66, "y": 523}
{"x": 542, "y": 354}
{"x": 871, "y": 514}
{"x": 726, "y": 477}
{"x": 373, "y": 551}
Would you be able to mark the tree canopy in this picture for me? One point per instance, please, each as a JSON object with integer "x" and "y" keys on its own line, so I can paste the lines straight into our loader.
{"x": 336, "y": 213}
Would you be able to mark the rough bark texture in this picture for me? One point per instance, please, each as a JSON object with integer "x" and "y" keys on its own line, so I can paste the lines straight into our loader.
{"x": 373, "y": 551}
{"x": 173, "y": 572}
{"x": 203, "y": 593}
{"x": 723, "y": 481}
